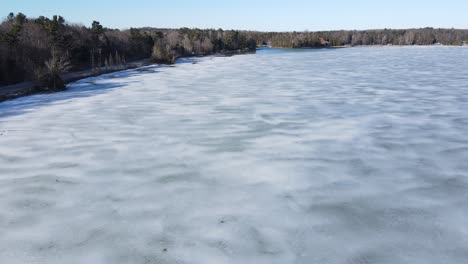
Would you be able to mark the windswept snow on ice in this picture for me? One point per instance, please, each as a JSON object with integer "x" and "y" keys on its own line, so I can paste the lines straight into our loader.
{"x": 329, "y": 156}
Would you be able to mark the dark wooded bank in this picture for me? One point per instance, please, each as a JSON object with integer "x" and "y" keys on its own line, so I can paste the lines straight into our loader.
{"x": 27, "y": 88}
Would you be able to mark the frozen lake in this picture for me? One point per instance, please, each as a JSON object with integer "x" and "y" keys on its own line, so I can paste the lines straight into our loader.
{"x": 319, "y": 156}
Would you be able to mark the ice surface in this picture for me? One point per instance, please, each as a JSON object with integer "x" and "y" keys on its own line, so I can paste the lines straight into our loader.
{"x": 329, "y": 156}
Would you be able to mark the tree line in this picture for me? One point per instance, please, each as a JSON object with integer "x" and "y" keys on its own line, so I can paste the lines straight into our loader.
{"x": 40, "y": 49}
{"x": 422, "y": 36}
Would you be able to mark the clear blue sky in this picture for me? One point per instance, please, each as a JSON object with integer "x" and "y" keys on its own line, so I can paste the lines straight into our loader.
{"x": 273, "y": 15}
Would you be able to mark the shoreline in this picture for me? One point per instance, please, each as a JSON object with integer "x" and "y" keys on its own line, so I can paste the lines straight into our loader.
{"x": 14, "y": 91}
{"x": 18, "y": 90}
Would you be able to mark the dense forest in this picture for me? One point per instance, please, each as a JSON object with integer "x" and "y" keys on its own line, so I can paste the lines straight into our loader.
{"x": 40, "y": 49}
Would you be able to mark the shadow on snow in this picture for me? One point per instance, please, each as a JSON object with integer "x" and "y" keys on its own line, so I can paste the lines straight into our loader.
{"x": 83, "y": 88}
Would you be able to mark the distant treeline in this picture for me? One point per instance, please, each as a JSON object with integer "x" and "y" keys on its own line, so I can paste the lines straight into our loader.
{"x": 422, "y": 36}
{"x": 41, "y": 48}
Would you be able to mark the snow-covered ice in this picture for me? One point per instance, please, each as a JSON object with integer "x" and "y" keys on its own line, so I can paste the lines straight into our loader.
{"x": 320, "y": 156}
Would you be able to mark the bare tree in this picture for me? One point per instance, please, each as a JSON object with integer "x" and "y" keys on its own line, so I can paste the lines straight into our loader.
{"x": 54, "y": 68}
{"x": 172, "y": 38}
{"x": 207, "y": 46}
{"x": 187, "y": 44}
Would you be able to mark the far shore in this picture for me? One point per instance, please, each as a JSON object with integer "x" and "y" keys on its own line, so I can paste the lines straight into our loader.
{"x": 360, "y": 46}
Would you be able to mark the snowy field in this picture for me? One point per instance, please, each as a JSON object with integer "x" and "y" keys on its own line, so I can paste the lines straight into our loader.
{"x": 321, "y": 156}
